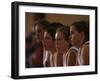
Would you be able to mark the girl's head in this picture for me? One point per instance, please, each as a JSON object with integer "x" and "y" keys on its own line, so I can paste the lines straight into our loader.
{"x": 49, "y": 35}
{"x": 40, "y": 27}
{"x": 62, "y": 38}
{"x": 79, "y": 32}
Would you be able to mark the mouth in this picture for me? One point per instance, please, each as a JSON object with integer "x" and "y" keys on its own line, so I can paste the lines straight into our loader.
{"x": 57, "y": 46}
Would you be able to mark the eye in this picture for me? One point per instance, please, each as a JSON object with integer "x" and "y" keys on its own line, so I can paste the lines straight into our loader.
{"x": 72, "y": 32}
{"x": 58, "y": 39}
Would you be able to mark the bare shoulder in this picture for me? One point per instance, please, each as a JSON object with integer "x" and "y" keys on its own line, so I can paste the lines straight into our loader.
{"x": 85, "y": 47}
{"x": 85, "y": 53}
{"x": 72, "y": 57}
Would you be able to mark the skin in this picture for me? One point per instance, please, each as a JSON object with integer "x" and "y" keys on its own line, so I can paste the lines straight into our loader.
{"x": 37, "y": 56}
{"x": 39, "y": 33}
{"x": 85, "y": 54}
{"x": 61, "y": 43}
{"x": 72, "y": 58}
{"x": 61, "y": 48}
{"x": 76, "y": 37}
{"x": 49, "y": 46}
{"x": 48, "y": 42}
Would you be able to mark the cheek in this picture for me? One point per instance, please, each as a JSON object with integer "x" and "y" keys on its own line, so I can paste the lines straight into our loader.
{"x": 48, "y": 43}
{"x": 75, "y": 38}
{"x": 59, "y": 44}
{"x": 41, "y": 35}
{"x": 66, "y": 43}
{"x": 44, "y": 42}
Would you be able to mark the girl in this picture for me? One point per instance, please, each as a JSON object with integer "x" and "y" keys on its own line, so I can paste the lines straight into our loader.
{"x": 80, "y": 38}
{"x": 62, "y": 45}
{"x": 65, "y": 56}
{"x": 49, "y": 44}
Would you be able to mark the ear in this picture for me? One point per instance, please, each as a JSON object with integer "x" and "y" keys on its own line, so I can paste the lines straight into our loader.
{"x": 82, "y": 35}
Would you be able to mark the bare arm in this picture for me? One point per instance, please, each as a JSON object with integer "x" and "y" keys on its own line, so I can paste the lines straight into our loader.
{"x": 72, "y": 58}
{"x": 85, "y": 54}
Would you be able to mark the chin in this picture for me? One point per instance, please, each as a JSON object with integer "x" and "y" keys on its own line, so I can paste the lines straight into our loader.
{"x": 58, "y": 48}
{"x": 72, "y": 43}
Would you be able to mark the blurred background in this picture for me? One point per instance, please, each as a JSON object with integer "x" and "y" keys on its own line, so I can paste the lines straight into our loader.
{"x": 65, "y": 19}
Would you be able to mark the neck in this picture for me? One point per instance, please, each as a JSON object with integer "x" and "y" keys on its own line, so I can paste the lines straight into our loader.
{"x": 80, "y": 43}
{"x": 52, "y": 49}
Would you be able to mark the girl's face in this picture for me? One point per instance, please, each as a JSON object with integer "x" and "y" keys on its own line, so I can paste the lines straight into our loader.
{"x": 39, "y": 33}
{"x": 48, "y": 42}
{"x": 75, "y": 36}
{"x": 60, "y": 42}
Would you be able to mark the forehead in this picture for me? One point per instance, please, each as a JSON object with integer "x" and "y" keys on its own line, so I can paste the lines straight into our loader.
{"x": 46, "y": 34}
{"x": 72, "y": 28}
{"x": 58, "y": 34}
{"x": 38, "y": 27}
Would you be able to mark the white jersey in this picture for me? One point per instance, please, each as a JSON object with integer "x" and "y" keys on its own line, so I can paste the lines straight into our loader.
{"x": 47, "y": 56}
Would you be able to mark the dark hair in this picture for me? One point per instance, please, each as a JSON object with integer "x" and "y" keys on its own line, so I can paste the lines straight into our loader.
{"x": 82, "y": 26}
{"x": 52, "y": 29}
{"x": 42, "y": 23}
{"x": 65, "y": 31}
